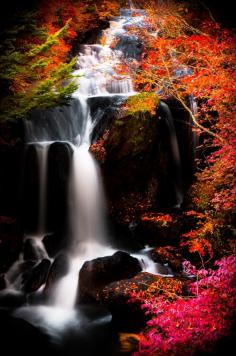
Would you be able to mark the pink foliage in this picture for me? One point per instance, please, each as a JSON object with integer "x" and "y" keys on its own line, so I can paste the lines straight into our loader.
{"x": 187, "y": 325}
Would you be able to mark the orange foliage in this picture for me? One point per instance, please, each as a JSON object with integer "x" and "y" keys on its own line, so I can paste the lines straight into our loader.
{"x": 159, "y": 218}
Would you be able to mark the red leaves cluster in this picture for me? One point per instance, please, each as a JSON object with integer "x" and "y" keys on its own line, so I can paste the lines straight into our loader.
{"x": 98, "y": 149}
{"x": 159, "y": 218}
{"x": 184, "y": 326}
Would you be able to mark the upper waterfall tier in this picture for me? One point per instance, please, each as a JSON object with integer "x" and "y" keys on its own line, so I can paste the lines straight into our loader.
{"x": 101, "y": 88}
{"x": 97, "y": 63}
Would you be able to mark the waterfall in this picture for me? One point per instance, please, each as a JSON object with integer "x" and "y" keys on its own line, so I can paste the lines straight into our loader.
{"x": 42, "y": 153}
{"x": 97, "y": 78}
{"x": 131, "y": 4}
{"x": 178, "y": 181}
{"x": 88, "y": 201}
{"x": 195, "y": 136}
{"x": 96, "y": 69}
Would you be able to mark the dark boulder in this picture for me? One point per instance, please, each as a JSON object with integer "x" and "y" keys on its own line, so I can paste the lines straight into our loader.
{"x": 54, "y": 243}
{"x": 126, "y": 310}
{"x": 59, "y": 269}
{"x": 163, "y": 229}
{"x": 32, "y": 251}
{"x": 168, "y": 254}
{"x": 37, "y": 277}
{"x": 10, "y": 298}
{"x": 20, "y": 272}
{"x": 96, "y": 274}
{"x": 130, "y": 46}
{"x": 132, "y": 160}
{"x": 19, "y": 336}
{"x": 30, "y": 190}
{"x": 116, "y": 296}
{"x": 59, "y": 165}
{"x": 103, "y": 109}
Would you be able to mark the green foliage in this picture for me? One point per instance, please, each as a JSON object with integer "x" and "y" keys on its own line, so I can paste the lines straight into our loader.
{"x": 91, "y": 8}
{"x": 32, "y": 75}
{"x": 143, "y": 103}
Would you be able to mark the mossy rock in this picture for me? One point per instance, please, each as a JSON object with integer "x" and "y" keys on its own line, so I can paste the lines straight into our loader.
{"x": 134, "y": 133}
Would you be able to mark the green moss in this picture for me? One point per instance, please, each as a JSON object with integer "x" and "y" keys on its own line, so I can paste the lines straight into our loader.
{"x": 132, "y": 134}
{"x": 90, "y": 9}
{"x": 143, "y": 103}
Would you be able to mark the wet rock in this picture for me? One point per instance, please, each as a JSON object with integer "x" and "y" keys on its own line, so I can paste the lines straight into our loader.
{"x": 59, "y": 165}
{"x": 141, "y": 169}
{"x": 160, "y": 228}
{"x": 33, "y": 251}
{"x": 127, "y": 314}
{"x": 37, "y": 277}
{"x": 20, "y": 272}
{"x": 130, "y": 46}
{"x": 168, "y": 254}
{"x": 30, "y": 190}
{"x": 131, "y": 159}
{"x": 10, "y": 298}
{"x": 115, "y": 297}
{"x": 61, "y": 123}
{"x": 54, "y": 243}
{"x": 103, "y": 109}
{"x": 20, "y": 337}
{"x": 59, "y": 269}
{"x": 96, "y": 274}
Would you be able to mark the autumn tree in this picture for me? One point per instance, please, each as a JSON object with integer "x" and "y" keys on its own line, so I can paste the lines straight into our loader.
{"x": 31, "y": 75}
{"x": 184, "y": 61}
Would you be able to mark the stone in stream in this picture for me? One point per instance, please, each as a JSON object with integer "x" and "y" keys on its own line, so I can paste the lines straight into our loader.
{"x": 96, "y": 274}
{"x": 54, "y": 243}
{"x": 10, "y": 298}
{"x": 115, "y": 297}
{"x": 59, "y": 269}
{"x": 168, "y": 254}
{"x": 127, "y": 313}
{"x": 19, "y": 337}
{"x": 33, "y": 251}
{"x": 37, "y": 277}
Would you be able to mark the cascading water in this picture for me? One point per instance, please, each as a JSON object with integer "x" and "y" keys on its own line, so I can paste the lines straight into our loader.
{"x": 97, "y": 78}
{"x": 42, "y": 153}
{"x": 194, "y": 109}
{"x": 178, "y": 180}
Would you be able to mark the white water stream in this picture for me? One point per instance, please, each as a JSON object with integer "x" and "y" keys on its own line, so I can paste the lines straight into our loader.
{"x": 97, "y": 77}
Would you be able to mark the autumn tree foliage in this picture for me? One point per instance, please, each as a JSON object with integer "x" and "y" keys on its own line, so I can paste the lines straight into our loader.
{"x": 186, "y": 61}
{"x": 36, "y": 61}
{"x": 31, "y": 76}
{"x": 187, "y": 58}
{"x": 194, "y": 323}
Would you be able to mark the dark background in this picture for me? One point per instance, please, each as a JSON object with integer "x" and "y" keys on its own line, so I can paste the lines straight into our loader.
{"x": 223, "y": 10}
